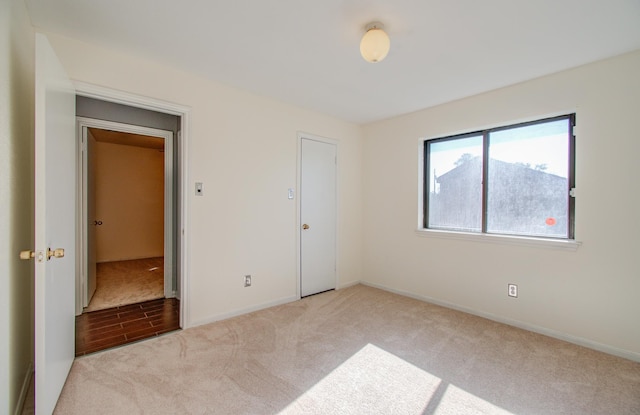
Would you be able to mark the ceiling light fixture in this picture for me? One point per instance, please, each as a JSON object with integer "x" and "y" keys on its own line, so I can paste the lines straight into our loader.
{"x": 375, "y": 43}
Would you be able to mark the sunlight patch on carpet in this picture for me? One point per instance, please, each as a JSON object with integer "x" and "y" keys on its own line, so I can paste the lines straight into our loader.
{"x": 371, "y": 381}
{"x": 457, "y": 401}
{"x": 376, "y": 381}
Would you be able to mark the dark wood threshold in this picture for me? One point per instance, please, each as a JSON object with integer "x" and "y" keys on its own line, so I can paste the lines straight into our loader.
{"x": 104, "y": 329}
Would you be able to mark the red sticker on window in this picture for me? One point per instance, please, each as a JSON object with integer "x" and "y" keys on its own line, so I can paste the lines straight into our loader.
{"x": 550, "y": 221}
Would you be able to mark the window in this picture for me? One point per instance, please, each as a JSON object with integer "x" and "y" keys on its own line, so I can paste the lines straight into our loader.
{"x": 513, "y": 180}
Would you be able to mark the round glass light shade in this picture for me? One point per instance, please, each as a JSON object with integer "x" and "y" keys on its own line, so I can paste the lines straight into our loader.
{"x": 375, "y": 45}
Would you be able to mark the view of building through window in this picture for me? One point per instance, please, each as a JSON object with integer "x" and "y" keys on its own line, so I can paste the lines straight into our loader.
{"x": 522, "y": 190}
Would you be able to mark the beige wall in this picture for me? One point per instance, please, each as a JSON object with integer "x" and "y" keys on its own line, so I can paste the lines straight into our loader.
{"x": 244, "y": 149}
{"x": 589, "y": 296}
{"x": 129, "y": 197}
{"x": 16, "y": 199}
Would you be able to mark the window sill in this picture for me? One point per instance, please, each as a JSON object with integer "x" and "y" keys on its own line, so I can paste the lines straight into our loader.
{"x": 560, "y": 244}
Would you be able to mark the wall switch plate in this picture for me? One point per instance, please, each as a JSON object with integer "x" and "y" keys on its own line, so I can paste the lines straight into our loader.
{"x": 247, "y": 280}
{"x": 199, "y": 189}
{"x": 512, "y": 290}
{"x": 290, "y": 193}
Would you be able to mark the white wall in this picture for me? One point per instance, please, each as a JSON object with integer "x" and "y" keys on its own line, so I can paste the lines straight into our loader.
{"x": 243, "y": 148}
{"x": 589, "y": 296}
{"x": 16, "y": 199}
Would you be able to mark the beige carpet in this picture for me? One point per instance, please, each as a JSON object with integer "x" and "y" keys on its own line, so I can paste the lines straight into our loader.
{"x": 127, "y": 282}
{"x": 355, "y": 351}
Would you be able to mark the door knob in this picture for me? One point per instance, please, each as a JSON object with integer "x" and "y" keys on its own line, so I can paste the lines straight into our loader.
{"x": 56, "y": 253}
{"x": 305, "y": 226}
{"x": 27, "y": 254}
{"x": 97, "y": 222}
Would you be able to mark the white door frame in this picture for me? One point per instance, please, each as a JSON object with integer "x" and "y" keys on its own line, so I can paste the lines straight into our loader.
{"x": 307, "y": 136}
{"x": 132, "y": 100}
{"x": 82, "y": 124}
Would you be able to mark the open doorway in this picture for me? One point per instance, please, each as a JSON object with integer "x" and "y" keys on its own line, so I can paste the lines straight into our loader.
{"x": 121, "y": 120}
{"x": 127, "y": 203}
{"x": 127, "y": 287}
{"x": 125, "y": 218}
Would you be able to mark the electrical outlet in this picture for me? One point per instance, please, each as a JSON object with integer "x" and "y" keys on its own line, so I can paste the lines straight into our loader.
{"x": 512, "y": 290}
{"x": 247, "y": 280}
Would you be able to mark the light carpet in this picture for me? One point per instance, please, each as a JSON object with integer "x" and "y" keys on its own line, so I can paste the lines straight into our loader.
{"x": 358, "y": 350}
{"x": 127, "y": 282}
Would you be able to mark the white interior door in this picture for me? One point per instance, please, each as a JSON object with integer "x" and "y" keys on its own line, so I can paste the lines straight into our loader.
{"x": 55, "y": 207}
{"x": 318, "y": 216}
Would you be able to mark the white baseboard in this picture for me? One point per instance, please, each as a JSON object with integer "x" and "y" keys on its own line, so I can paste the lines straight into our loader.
{"x": 347, "y": 285}
{"x": 24, "y": 390}
{"x": 262, "y": 306}
{"x": 242, "y": 311}
{"x": 580, "y": 341}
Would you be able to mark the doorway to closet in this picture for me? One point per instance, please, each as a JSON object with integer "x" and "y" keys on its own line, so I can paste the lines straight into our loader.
{"x": 128, "y": 285}
{"x": 125, "y": 200}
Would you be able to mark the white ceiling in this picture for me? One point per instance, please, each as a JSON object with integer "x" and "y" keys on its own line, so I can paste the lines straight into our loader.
{"x": 306, "y": 52}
